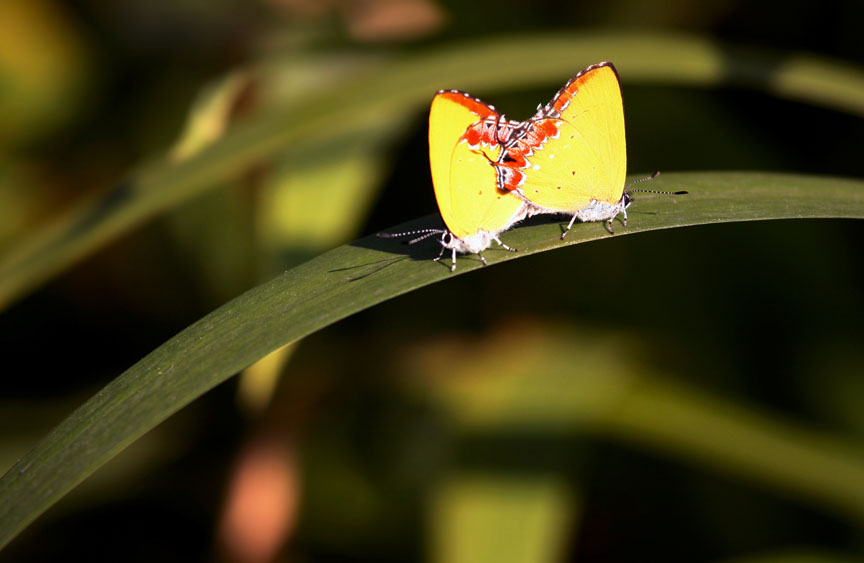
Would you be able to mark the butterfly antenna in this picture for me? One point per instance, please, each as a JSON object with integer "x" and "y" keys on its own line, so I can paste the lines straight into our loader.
{"x": 640, "y": 180}
{"x": 424, "y": 234}
{"x": 646, "y": 179}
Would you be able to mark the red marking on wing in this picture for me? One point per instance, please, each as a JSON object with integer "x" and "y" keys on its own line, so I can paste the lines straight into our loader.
{"x": 532, "y": 136}
{"x": 489, "y": 128}
{"x": 509, "y": 178}
{"x": 485, "y": 132}
{"x": 547, "y": 127}
{"x": 514, "y": 158}
{"x": 490, "y": 131}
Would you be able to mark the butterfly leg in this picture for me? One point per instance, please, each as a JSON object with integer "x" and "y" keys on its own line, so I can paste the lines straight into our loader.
{"x": 504, "y": 246}
{"x": 569, "y": 226}
{"x": 623, "y": 221}
{"x": 452, "y": 258}
{"x": 482, "y": 259}
{"x": 608, "y": 224}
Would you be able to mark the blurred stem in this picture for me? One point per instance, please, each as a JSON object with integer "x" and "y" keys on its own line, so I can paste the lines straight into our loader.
{"x": 742, "y": 441}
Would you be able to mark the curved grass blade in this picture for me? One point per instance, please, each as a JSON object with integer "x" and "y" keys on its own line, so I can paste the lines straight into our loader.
{"x": 339, "y": 283}
{"x": 315, "y": 121}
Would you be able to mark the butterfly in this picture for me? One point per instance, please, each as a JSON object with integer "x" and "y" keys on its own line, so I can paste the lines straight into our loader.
{"x": 571, "y": 156}
{"x": 466, "y": 137}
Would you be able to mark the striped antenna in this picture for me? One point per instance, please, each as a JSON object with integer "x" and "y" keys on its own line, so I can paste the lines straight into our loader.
{"x": 424, "y": 234}
{"x": 646, "y": 179}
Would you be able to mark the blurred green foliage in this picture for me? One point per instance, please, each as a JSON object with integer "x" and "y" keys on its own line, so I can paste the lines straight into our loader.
{"x": 693, "y": 394}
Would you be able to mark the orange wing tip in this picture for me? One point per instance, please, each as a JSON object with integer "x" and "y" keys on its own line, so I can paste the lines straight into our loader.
{"x": 561, "y": 99}
{"x": 464, "y": 99}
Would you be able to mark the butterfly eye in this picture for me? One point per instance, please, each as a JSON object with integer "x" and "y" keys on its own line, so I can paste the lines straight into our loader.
{"x": 628, "y": 199}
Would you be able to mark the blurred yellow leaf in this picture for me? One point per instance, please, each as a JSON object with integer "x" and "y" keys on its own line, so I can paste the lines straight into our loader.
{"x": 44, "y": 69}
{"x": 491, "y": 518}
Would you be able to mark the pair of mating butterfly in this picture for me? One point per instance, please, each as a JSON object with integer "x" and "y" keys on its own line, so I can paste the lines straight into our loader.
{"x": 490, "y": 172}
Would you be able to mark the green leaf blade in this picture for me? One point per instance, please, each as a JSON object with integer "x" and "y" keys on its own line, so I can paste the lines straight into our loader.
{"x": 340, "y": 283}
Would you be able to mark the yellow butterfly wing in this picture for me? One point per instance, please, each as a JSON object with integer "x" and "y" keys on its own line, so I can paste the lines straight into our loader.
{"x": 462, "y": 174}
{"x": 587, "y": 160}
